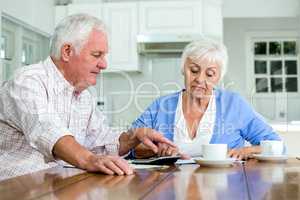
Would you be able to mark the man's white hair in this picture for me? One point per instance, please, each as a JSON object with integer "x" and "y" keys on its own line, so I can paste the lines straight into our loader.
{"x": 74, "y": 30}
{"x": 206, "y": 50}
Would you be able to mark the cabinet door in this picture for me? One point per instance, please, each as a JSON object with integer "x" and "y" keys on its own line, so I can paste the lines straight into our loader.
{"x": 91, "y": 9}
{"x": 170, "y": 17}
{"x": 212, "y": 18}
{"x": 121, "y": 20}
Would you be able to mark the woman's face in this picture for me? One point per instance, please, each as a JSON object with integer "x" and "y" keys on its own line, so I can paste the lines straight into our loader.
{"x": 200, "y": 77}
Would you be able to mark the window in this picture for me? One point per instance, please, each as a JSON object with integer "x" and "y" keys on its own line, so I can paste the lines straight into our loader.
{"x": 20, "y": 45}
{"x": 275, "y": 66}
{"x": 27, "y": 52}
{"x": 3, "y": 47}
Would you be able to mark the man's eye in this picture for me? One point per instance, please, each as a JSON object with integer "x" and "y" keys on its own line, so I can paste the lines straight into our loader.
{"x": 97, "y": 55}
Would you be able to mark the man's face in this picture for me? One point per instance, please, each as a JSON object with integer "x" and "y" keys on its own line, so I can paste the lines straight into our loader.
{"x": 85, "y": 66}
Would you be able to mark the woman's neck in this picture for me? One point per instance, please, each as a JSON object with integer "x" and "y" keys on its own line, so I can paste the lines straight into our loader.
{"x": 194, "y": 106}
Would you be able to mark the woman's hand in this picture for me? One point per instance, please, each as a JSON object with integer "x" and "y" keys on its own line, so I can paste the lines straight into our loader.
{"x": 166, "y": 150}
{"x": 141, "y": 151}
{"x": 244, "y": 153}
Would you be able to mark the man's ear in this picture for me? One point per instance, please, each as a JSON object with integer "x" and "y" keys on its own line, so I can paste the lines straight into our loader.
{"x": 66, "y": 52}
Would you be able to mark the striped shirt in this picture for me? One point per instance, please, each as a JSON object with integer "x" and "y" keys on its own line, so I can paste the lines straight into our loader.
{"x": 38, "y": 106}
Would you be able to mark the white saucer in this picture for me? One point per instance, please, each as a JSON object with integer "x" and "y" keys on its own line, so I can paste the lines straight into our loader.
{"x": 278, "y": 158}
{"x": 215, "y": 163}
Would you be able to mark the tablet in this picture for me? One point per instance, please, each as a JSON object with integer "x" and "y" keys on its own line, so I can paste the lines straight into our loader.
{"x": 164, "y": 160}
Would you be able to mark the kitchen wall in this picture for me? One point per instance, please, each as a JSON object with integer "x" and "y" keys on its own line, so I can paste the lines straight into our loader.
{"x": 36, "y": 13}
{"x": 128, "y": 94}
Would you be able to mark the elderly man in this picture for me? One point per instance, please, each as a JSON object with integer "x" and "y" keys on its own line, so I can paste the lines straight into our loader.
{"x": 48, "y": 115}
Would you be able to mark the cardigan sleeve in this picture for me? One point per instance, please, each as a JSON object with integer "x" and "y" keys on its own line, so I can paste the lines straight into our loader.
{"x": 254, "y": 128}
{"x": 147, "y": 118}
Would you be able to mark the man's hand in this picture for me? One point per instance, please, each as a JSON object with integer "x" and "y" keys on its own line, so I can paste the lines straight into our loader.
{"x": 67, "y": 149}
{"x": 244, "y": 153}
{"x": 147, "y": 136}
{"x": 108, "y": 165}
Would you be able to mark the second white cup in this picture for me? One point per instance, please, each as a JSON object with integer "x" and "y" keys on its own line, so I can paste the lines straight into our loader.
{"x": 271, "y": 147}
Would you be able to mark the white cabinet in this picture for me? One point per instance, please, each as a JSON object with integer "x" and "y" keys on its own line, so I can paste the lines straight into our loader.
{"x": 170, "y": 17}
{"x": 64, "y": 11}
{"x": 121, "y": 20}
{"x": 91, "y": 9}
{"x": 212, "y": 22}
{"x": 182, "y": 17}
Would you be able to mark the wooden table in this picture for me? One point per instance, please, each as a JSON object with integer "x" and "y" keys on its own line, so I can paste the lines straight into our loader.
{"x": 252, "y": 180}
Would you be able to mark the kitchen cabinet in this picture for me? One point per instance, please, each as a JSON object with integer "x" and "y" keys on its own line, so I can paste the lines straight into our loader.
{"x": 212, "y": 21}
{"x": 121, "y": 20}
{"x": 181, "y": 17}
{"x": 170, "y": 17}
{"x": 91, "y": 9}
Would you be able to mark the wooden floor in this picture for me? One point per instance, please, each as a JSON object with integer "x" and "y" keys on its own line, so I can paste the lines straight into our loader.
{"x": 251, "y": 180}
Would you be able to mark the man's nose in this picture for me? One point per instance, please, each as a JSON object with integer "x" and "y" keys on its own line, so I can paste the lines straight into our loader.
{"x": 102, "y": 64}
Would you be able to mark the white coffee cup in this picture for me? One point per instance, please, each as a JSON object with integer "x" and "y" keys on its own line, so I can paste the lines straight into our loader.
{"x": 271, "y": 147}
{"x": 214, "y": 151}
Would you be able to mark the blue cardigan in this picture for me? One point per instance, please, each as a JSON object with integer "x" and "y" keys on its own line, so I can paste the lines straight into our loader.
{"x": 235, "y": 120}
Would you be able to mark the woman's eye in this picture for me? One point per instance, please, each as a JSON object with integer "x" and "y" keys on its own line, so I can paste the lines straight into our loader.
{"x": 194, "y": 70}
{"x": 210, "y": 73}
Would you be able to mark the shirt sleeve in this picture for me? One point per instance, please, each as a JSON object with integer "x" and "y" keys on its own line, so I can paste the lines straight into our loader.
{"x": 101, "y": 139}
{"x": 26, "y": 106}
{"x": 253, "y": 125}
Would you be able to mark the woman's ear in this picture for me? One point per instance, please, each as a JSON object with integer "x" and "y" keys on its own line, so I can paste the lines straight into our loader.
{"x": 66, "y": 52}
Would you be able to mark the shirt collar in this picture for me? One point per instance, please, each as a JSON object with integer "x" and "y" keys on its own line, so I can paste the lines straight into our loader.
{"x": 59, "y": 82}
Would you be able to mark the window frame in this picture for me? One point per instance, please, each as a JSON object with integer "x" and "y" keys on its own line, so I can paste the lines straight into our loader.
{"x": 252, "y": 37}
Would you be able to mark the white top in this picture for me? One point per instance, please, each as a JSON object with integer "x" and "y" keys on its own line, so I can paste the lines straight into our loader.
{"x": 193, "y": 147}
{"x": 37, "y": 107}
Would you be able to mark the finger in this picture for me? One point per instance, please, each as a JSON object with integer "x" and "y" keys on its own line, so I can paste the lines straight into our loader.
{"x": 231, "y": 153}
{"x": 171, "y": 151}
{"x": 157, "y": 137}
{"x": 165, "y": 151}
{"x": 160, "y": 149}
{"x": 123, "y": 165}
{"x": 105, "y": 170}
{"x": 113, "y": 167}
{"x": 175, "y": 152}
{"x": 150, "y": 145}
{"x": 240, "y": 157}
{"x": 184, "y": 156}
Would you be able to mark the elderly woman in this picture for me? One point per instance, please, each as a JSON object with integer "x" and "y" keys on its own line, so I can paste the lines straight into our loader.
{"x": 201, "y": 113}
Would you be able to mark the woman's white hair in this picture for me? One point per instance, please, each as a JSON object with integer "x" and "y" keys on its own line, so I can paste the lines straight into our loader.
{"x": 74, "y": 30}
{"x": 206, "y": 50}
